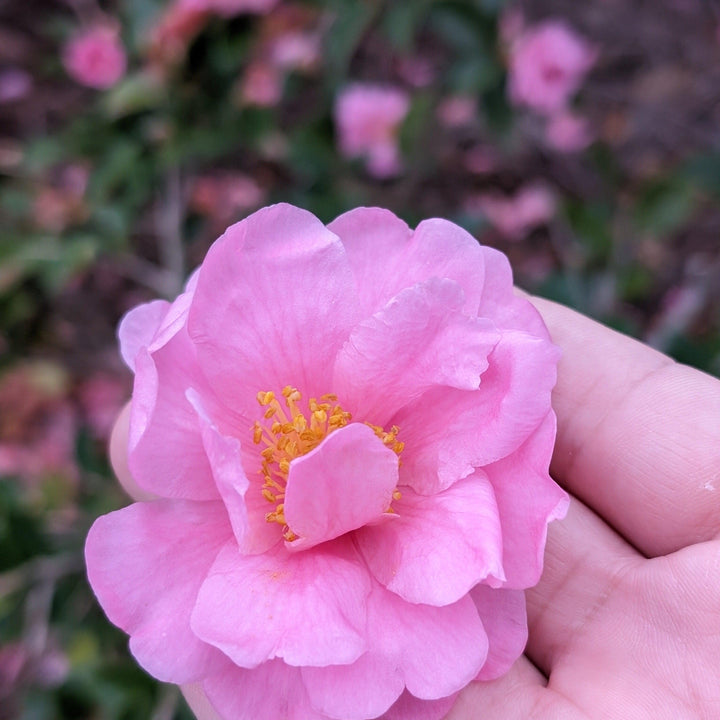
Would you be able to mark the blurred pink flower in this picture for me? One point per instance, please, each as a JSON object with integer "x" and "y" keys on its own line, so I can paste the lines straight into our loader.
{"x": 548, "y": 63}
{"x": 367, "y": 120}
{"x": 457, "y": 111}
{"x": 261, "y": 85}
{"x": 221, "y": 196}
{"x": 291, "y": 564}
{"x": 514, "y": 216}
{"x": 96, "y": 57}
{"x": 295, "y": 51}
{"x": 568, "y": 132}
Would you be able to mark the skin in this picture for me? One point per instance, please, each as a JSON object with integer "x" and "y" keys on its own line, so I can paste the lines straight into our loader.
{"x": 625, "y": 622}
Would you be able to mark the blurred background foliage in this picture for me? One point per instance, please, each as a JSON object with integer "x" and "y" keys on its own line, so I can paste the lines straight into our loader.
{"x": 580, "y": 138}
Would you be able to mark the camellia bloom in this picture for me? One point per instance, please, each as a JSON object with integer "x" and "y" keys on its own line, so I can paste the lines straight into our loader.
{"x": 348, "y": 431}
{"x": 96, "y": 57}
{"x": 367, "y": 118}
{"x": 548, "y": 63}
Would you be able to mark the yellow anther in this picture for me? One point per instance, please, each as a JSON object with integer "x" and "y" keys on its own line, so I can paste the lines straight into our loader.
{"x": 293, "y": 433}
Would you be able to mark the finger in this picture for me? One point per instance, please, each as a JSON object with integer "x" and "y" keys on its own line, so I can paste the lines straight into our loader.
{"x": 119, "y": 456}
{"x": 198, "y": 702}
{"x": 584, "y": 559}
{"x": 510, "y": 697}
{"x": 638, "y": 435}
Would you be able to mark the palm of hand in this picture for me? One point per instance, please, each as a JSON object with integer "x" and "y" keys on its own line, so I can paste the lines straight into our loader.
{"x": 625, "y": 622}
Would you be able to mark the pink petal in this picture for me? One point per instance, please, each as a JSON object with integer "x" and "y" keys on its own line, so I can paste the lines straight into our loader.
{"x": 245, "y": 504}
{"x": 162, "y": 420}
{"x": 419, "y": 339}
{"x": 499, "y": 301}
{"x": 271, "y": 691}
{"x": 344, "y": 483}
{"x": 146, "y": 564}
{"x": 433, "y": 651}
{"x": 386, "y": 256}
{"x": 440, "y": 545}
{"x": 410, "y": 708}
{"x": 365, "y": 689}
{"x": 528, "y": 499}
{"x": 448, "y": 432}
{"x": 138, "y": 327}
{"x": 505, "y": 621}
{"x": 308, "y": 608}
{"x": 438, "y": 649}
{"x": 274, "y": 303}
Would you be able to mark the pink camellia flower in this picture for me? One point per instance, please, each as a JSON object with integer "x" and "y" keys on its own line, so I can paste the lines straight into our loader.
{"x": 96, "y": 57}
{"x": 367, "y": 118}
{"x": 348, "y": 431}
{"x": 548, "y": 63}
{"x": 516, "y": 215}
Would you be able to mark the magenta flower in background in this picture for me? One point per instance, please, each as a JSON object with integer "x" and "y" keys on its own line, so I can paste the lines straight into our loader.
{"x": 367, "y": 120}
{"x": 96, "y": 57}
{"x": 548, "y": 63}
{"x": 348, "y": 430}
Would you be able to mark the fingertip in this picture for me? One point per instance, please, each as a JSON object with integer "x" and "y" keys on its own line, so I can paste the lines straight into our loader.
{"x": 198, "y": 702}
{"x": 118, "y": 451}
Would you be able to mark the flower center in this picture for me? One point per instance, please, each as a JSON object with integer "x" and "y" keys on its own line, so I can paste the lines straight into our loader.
{"x": 289, "y": 432}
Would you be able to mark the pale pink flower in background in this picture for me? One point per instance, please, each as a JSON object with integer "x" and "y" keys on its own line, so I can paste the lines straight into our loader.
{"x": 548, "y": 63}
{"x": 223, "y": 195}
{"x": 348, "y": 430}
{"x": 96, "y": 57}
{"x": 261, "y": 84}
{"x": 295, "y": 51}
{"x": 516, "y": 215}
{"x": 367, "y": 120}
{"x": 568, "y": 132}
{"x": 457, "y": 111}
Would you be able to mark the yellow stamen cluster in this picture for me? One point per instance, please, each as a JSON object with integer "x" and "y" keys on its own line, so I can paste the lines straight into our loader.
{"x": 287, "y": 433}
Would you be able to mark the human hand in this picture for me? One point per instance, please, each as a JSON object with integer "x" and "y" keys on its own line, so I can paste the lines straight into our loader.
{"x": 625, "y": 622}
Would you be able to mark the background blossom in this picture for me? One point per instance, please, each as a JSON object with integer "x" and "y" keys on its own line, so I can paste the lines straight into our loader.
{"x": 96, "y": 57}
